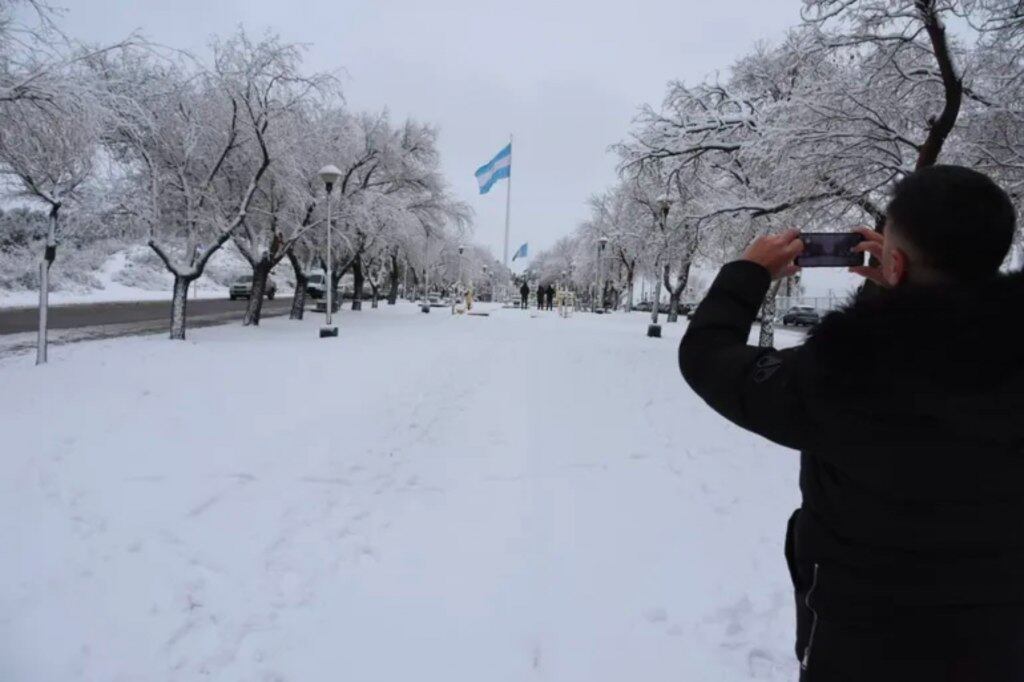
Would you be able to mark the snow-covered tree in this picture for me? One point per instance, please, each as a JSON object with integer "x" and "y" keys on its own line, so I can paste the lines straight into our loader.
{"x": 815, "y": 130}
{"x": 51, "y": 119}
{"x": 288, "y": 203}
{"x": 197, "y": 141}
{"x": 617, "y": 216}
{"x": 48, "y": 155}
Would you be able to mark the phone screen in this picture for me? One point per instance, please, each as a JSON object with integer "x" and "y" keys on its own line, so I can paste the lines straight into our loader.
{"x": 829, "y": 250}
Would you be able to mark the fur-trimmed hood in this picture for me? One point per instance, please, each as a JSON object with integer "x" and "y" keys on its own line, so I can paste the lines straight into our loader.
{"x": 949, "y": 354}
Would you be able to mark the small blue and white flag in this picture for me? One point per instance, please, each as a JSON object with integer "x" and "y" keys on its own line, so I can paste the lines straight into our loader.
{"x": 499, "y": 167}
{"x": 521, "y": 253}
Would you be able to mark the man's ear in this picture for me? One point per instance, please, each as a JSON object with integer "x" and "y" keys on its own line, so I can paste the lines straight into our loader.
{"x": 895, "y": 269}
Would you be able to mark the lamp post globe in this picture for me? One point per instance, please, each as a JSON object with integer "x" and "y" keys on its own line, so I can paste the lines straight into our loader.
{"x": 329, "y": 175}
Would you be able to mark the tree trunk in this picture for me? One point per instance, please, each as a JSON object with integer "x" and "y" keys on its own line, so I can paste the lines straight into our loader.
{"x": 767, "y": 338}
{"x": 336, "y": 277}
{"x": 673, "y": 305}
{"x": 630, "y": 288}
{"x": 393, "y": 291}
{"x": 260, "y": 273}
{"x": 676, "y": 291}
{"x": 357, "y": 283}
{"x": 179, "y": 303}
{"x": 673, "y": 296}
{"x": 301, "y": 280}
{"x": 941, "y": 126}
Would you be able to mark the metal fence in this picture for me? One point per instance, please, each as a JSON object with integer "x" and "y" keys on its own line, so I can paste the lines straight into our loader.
{"x": 822, "y": 304}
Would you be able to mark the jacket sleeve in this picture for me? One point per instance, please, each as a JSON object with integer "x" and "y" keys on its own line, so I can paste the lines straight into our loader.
{"x": 763, "y": 390}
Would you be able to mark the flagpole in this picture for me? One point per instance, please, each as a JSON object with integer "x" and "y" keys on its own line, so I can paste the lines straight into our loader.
{"x": 508, "y": 199}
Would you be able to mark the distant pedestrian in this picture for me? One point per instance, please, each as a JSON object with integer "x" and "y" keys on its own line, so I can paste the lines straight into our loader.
{"x": 551, "y": 296}
{"x": 540, "y": 296}
{"x": 524, "y": 292}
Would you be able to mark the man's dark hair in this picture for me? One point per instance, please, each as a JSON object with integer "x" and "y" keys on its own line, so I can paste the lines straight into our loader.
{"x": 959, "y": 220}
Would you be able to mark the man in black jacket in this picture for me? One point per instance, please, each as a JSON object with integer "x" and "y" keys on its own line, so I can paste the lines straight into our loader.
{"x": 907, "y": 554}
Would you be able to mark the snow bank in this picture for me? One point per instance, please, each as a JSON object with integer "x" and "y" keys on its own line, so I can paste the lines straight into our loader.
{"x": 135, "y": 274}
{"x": 426, "y": 497}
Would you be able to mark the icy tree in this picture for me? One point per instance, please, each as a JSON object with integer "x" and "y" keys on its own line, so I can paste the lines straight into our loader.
{"x": 394, "y": 199}
{"x": 993, "y": 134}
{"x": 616, "y": 216}
{"x": 289, "y": 202}
{"x": 814, "y": 131}
{"x": 197, "y": 141}
{"x": 49, "y": 154}
{"x": 51, "y": 119}
{"x": 905, "y": 90}
{"x": 38, "y": 61}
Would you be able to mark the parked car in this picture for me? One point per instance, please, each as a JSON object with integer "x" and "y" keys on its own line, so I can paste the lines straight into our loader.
{"x": 242, "y": 288}
{"x": 664, "y": 307}
{"x": 801, "y": 316}
{"x": 316, "y": 285}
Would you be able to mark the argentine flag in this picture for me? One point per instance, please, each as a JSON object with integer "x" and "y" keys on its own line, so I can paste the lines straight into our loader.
{"x": 522, "y": 252}
{"x": 499, "y": 167}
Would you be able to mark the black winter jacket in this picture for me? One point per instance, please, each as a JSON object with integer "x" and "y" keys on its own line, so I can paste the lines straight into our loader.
{"x": 908, "y": 408}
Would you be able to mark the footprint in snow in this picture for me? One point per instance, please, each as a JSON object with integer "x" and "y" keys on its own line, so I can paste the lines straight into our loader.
{"x": 761, "y": 664}
{"x": 656, "y": 615}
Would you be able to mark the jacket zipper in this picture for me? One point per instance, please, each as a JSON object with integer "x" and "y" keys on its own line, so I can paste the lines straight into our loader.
{"x": 814, "y": 623}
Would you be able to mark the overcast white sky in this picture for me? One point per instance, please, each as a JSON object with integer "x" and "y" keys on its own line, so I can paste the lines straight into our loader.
{"x": 565, "y": 77}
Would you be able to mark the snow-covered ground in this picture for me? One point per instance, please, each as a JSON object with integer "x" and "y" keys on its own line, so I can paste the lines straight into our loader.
{"x": 427, "y": 497}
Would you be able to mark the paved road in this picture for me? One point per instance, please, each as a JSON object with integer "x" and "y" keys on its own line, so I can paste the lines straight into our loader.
{"x": 134, "y": 313}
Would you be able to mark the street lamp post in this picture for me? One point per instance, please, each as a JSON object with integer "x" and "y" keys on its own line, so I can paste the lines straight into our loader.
{"x": 563, "y": 294}
{"x": 457, "y": 289}
{"x": 654, "y": 329}
{"x": 601, "y": 244}
{"x": 425, "y": 308}
{"x": 329, "y": 175}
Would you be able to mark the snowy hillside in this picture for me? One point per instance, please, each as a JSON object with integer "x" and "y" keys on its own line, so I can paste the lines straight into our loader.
{"x": 132, "y": 274}
{"x": 428, "y": 497}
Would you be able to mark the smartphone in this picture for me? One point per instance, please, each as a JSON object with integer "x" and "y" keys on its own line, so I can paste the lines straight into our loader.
{"x": 829, "y": 250}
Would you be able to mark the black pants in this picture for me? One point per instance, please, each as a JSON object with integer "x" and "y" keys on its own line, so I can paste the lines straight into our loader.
{"x": 905, "y": 644}
{"x": 937, "y": 644}
{"x": 526, "y": 299}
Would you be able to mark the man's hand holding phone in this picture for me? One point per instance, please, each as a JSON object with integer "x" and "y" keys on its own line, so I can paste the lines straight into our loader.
{"x": 873, "y": 245}
{"x": 776, "y": 252}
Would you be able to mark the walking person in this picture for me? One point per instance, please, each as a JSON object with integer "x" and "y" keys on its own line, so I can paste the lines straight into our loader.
{"x": 907, "y": 554}
{"x": 551, "y": 296}
{"x": 540, "y": 296}
{"x": 524, "y": 293}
